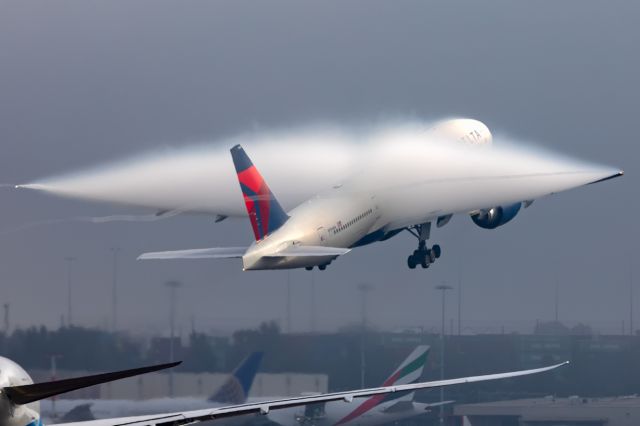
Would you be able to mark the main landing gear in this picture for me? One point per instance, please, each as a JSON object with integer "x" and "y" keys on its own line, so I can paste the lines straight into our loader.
{"x": 320, "y": 267}
{"x": 423, "y": 255}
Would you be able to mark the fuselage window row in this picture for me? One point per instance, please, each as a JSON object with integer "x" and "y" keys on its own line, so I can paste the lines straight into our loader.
{"x": 351, "y": 222}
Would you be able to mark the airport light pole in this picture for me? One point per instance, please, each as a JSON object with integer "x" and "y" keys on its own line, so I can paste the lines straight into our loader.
{"x": 443, "y": 288}
{"x": 69, "y": 260}
{"x": 313, "y": 303}
{"x": 630, "y": 297}
{"x": 173, "y": 286}
{"x": 459, "y": 307}
{"x": 7, "y": 324}
{"x": 288, "y": 313}
{"x": 114, "y": 290}
{"x": 54, "y": 374}
{"x": 557, "y": 303}
{"x": 364, "y": 290}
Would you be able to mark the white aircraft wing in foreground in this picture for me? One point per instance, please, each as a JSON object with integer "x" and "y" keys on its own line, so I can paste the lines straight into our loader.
{"x": 264, "y": 407}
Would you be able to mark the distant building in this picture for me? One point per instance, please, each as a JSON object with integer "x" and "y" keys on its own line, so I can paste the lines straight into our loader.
{"x": 551, "y": 411}
{"x": 160, "y": 348}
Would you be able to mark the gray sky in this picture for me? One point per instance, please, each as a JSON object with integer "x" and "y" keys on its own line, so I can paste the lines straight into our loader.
{"x": 83, "y": 83}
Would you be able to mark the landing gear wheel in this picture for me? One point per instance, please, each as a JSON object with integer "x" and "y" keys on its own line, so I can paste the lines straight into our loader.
{"x": 322, "y": 267}
{"x": 309, "y": 268}
{"x": 423, "y": 255}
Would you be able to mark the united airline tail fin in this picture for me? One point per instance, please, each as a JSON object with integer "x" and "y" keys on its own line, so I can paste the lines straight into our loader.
{"x": 265, "y": 212}
{"x": 409, "y": 372}
{"x": 236, "y": 389}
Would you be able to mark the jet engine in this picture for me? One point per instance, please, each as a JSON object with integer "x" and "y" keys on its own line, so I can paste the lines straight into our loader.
{"x": 19, "y": 396}
{"x": 465, "y": 130}
{"x": 475, "y": 133}
{"x": 496, "y": 216}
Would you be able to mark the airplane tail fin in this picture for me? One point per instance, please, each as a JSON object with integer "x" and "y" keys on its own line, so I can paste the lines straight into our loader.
{"x": 408, "y": 372}
{"x": 25, "y": 394}
{"x": 79, "y": 413}
{"x": 265, "y": 212}
{"x": 411, "y": 368}
{"x": 236, "y": 389}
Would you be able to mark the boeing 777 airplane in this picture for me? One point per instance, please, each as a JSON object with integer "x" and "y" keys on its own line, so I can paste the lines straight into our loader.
{"x": 379, "y": 202}
{"x": 19, "y": 397}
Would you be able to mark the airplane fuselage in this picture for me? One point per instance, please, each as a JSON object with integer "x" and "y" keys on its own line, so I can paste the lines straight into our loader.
{"x": 332, "y": 221}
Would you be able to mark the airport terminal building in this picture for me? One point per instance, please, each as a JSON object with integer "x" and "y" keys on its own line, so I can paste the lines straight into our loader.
{"x": 551, "y": 411}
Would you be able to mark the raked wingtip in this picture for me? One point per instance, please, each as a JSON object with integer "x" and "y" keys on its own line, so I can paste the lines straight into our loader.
{"x": 611, "y": 176}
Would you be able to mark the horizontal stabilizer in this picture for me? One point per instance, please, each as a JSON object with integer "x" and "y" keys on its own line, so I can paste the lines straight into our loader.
{"x": 303, "y": 251}
{"x": 206, "y": 253}
{"x": 25, "y": 394}
{"x": 437, "y": 404}
{"x": 405, "y": 406}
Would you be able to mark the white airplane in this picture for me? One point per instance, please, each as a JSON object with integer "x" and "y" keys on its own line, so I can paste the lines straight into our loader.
{"x": 19, "y": 397}
{"x": 235, "y": 390}
{"x": 379, "y": 409}
{"x": 377, "y": 203}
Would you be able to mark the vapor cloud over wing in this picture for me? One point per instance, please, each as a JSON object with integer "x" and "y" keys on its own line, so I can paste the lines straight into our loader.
{"x": 303, "y": 162}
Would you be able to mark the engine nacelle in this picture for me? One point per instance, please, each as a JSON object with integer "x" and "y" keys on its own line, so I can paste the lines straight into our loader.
{"x": 463, "y": 130}
{"x": 11, "y": 374}
{"x": 496, "y": 216}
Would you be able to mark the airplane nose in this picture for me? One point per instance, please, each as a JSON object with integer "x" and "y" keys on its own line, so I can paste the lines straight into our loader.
{"x": 486, "y": 138}
{"x": 465, "y": 130}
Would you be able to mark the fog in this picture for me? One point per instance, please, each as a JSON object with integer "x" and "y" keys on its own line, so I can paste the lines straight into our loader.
{"x": 86, "y": 85}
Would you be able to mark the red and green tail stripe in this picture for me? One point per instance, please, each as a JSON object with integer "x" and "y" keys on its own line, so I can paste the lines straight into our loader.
{"x": 408, "y": 372}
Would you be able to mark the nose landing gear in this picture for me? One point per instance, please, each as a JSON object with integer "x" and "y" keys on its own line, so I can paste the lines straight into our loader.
{"x": 423, "y": 255}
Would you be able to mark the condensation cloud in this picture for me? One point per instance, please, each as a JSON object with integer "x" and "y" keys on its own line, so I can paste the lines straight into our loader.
{"x": 300, "y": 163}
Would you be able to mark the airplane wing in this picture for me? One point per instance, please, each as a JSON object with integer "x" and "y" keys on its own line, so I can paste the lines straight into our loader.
{"x": 263, "y": 407}
{"x": 206, "y": 253}
{"x": 25, "y": 394}
{"x": 303, "y": 251}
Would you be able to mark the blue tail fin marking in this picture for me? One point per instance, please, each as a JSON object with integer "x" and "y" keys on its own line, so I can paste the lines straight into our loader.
{"x": 236, "y": 389}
